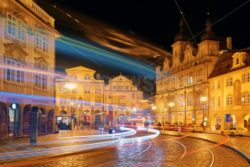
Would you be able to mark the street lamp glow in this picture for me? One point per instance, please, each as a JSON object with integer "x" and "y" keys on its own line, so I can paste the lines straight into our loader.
{"x": 134, "y": 109}
{"x": 72, "y": 103}
{"x": 153, "y": 107}
{"x": 171, "y": 104}
{"x": 203, "y": 98}
{"x": 13, "y": 106}
{"x": 70, "y": 86}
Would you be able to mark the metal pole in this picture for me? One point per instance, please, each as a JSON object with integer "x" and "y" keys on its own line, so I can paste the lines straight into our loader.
{"x": 185, "y": 121}
{"x": 203, "y": 123}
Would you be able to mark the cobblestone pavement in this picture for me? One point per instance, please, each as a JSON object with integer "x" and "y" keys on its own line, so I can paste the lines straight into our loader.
{"x": 242, "y": 144}
{"x": 162, "y": 151}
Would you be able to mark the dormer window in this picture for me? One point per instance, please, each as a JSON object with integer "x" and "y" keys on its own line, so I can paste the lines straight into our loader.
{"x": 239, "y": 59}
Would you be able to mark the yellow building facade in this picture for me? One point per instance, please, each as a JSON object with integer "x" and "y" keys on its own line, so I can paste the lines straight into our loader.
{"x": 122, "y": 99}
{"x": 91, "y": 100}
{"x": 27, "y": 63}
{"x": 229, "y": 95}
{"x": 182, "y": 80}
{"x": 81, "y": 95}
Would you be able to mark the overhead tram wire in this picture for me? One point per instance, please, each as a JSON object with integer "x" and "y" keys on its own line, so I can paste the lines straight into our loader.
{"x": 185, "y": 21}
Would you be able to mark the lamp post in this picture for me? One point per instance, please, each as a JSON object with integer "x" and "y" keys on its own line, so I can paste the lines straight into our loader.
{"x": 71, "y": 87}
{"x": 170, "y": 105}
{"x": 203, "y": 99}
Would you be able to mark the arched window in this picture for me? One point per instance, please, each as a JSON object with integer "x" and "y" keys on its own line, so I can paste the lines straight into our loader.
{"x": 87, "y": 77}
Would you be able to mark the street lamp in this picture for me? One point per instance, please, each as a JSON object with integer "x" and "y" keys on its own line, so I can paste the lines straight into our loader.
{"x": 71, "y": 87}
{"x": 170, "y": 105}
{"x": 153, "y": 107}
{"x": 203, "y": 99}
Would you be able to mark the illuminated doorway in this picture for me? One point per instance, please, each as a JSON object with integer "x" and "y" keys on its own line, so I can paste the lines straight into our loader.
{"x": 13, "y": 119}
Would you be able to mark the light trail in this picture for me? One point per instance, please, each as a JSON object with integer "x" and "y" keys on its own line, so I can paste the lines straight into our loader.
{"x": 75, "y": 148}
{"x": 100, "y": 55}
{"x": 72, "y": 139}
{"x": 52, "y": 99}
{"x": 213, "y": 158}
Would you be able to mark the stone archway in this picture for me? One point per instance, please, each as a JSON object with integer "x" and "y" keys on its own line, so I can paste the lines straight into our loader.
{"x": 26, "y": 119}
{"x": 14, "y": 117}
{"x": 42, "y": 121}
{"x": 3, "y": 120}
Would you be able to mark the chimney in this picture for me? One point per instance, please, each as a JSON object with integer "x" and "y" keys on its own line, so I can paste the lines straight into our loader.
{"x": 98, "y": 76}
{"x": 229, "y": 43}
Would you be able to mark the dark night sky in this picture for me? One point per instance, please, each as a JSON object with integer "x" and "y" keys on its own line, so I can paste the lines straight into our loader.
{"x": 157, "y": 20}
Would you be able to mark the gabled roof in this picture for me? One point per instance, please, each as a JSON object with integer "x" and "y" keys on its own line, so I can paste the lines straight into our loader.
{"x": 80, "y": 69}
{"x": 225, "y": 62}
{"x": 120, "y": 78}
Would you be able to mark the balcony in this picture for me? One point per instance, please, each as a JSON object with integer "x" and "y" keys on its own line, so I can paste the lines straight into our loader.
{"x": 38, "y": 11}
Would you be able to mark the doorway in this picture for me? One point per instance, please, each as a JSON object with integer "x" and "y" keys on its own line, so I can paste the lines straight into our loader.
{"x": 13, "y": 119}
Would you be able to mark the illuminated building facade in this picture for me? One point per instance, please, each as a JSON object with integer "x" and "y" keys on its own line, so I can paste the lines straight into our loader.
{"x": 80, "y": 95}
{"x": 182, "y": 81}
{"x": 88, "y": 99}
{"x": 229, "y": 95}
{"x": 122, "y": 99}
{"x": 27, "y": 60}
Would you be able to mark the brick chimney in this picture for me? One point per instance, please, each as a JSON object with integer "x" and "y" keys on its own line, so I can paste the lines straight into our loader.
{"x": 229, "y": 43}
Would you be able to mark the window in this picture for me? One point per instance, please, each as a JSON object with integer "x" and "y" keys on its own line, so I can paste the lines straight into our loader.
{"x": 14, "y": 72}
{"x": 44, "y": 82}
{"x": 41, "y": 41}
{"x": 41, "y": 81}
{"x": 246, "y": 77}
{"x": 218, "y": 84}
{"x": 229, "y": 81}
{"x": 180, "y": 100}
{"x": 86, "y": 90}
{"x": 245, "y": 98}
{"x": 181, "y": 81}
{"x": 190, "y": 79}
{"x": 98, "y": 90}
{"x": 199, "y": 76}
{"x": 189, "y": 99}
{"x": 173, "y": 82}
{"x": 86, "y": 77}
{"x": 16, "y": 28}
{"x": 229, "y": 100}
{"x": 218, "y": 102}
